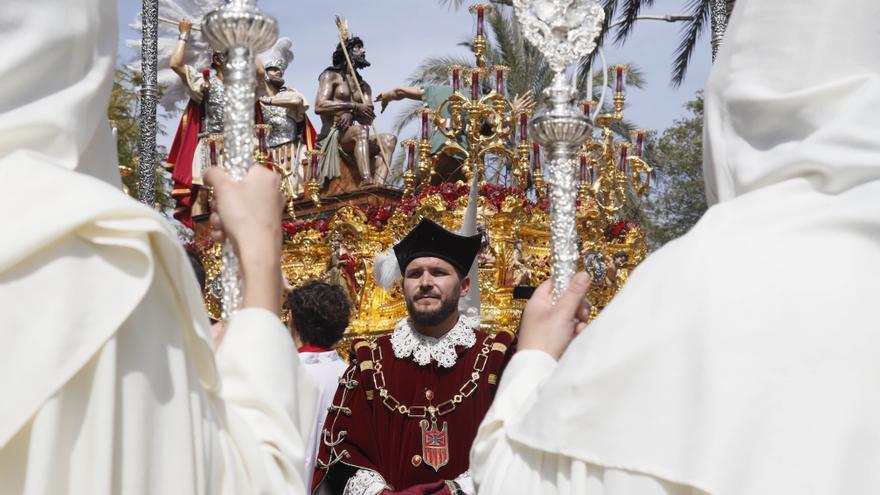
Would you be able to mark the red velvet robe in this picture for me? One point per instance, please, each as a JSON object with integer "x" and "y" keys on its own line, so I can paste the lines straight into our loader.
{"x": 390, "y": 443}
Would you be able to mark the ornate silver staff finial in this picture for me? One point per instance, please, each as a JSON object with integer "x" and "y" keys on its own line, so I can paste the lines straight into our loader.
{"x": 241, "y": 30}
{"x": 564, "y": 31}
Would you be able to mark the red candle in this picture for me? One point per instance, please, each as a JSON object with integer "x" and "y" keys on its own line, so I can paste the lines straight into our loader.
{"x": 213, "y": 153}
{"x": 411, "y": 156}
{"x": 640, "y": 139}
{"x": 523, "y": 127}
{"x": 456, "y": 82}
{"x": 584, "y": 168}
{"x": 499, "y": 81}
{"x": 479, "y": 21}
{"x": 425, "y": 127}
{"x": 587, "y": 108}
{"x": 475, "y": 85}
{"x": 622, "y": 164}
{"x": 621, "y": 82}
{"x": 261, "y": 136}
{"x": 313, "y": 169}
{"x": 536, "y": 157}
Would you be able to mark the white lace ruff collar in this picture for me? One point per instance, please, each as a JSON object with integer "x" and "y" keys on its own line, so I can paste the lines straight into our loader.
{"x": 406, "y": 342}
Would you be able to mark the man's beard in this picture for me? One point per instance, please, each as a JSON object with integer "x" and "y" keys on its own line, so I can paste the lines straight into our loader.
{"x": 276, "y": 82}
{"x": 360, "y": 61}
{"x": 431, "y": 316}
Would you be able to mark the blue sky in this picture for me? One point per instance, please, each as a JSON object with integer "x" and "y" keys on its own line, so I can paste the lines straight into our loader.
{"x": 399, "y": 34}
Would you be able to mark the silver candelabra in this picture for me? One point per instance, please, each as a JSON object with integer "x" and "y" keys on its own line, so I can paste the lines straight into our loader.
{"x": 241, "y": 30}
{"x": 564, "y": 31}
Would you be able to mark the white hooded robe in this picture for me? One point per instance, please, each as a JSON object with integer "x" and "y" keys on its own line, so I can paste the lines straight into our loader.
{"x": 740, "y": 359}
{"x": 108, "y": 376}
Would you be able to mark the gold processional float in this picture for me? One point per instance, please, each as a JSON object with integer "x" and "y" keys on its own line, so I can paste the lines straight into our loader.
{"x": 335, "y": 238}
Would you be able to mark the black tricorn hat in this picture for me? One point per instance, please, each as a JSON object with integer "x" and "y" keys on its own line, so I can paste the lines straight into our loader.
{"x": 429, "y": 239}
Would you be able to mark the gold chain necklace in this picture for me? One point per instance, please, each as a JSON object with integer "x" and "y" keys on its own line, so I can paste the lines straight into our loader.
{"x": 435, "y": 441}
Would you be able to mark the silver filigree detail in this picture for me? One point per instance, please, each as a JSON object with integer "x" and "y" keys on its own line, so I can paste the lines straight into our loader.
{"x": 720, "y": 17}
{"x": 563, "y": 30}
{"x": 240, "y": 30}
{"x": 146, "y": 170}
{"x": 215, "y": 288}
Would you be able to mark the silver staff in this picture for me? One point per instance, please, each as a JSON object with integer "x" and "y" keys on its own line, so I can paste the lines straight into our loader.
{"x": 241, "y": 30}
{"x": 146, "y": 169}
{"x": 719, "y": 17}
{"x": 564, "y": 31}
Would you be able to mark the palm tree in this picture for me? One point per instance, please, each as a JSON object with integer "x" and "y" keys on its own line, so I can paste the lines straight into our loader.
{"x": 700, "y": 11}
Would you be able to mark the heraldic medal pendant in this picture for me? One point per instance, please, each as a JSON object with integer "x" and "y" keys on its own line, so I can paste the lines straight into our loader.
{"x": 435, "y": 443}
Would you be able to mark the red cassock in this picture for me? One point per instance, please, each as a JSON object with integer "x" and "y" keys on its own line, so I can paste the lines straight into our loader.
{"x": 381, "y": 415}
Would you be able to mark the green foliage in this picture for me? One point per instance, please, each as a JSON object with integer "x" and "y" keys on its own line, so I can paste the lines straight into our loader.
{"x": 122, "y": 112}
{"x": 699, "y": 11}
{"x": 678, "y": 199}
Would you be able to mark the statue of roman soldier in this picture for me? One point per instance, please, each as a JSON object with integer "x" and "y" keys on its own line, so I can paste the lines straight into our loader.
{"x": 291, "y": 133}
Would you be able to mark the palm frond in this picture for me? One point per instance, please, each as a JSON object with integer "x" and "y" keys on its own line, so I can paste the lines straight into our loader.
{"x": 635, "y": 76}
{"x": 435, "y": 70}
{"x": 610, "y": 7}
{"x": 631, "y": 10}
{"x": 700, "y": 10}
{"x": 622, "y": 128}
{"x": 502, "y": 32}
{"x": 453, "y": 4}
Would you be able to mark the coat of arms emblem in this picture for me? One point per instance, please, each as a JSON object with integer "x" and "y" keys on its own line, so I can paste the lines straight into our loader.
{"x": 435, "y": 444}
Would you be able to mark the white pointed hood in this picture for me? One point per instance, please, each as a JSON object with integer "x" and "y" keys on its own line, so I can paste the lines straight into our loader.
{"x": 742, "y": 358}
{"x": 76, "y": 253}
{"x": 795, "y": 92}
{"x": 55, "y": 80}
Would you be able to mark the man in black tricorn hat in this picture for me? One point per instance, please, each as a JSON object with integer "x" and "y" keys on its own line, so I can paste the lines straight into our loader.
{"x": 408, "y": 407}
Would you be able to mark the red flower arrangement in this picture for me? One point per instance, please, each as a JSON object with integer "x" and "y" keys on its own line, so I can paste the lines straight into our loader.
{"x": 296, "y": 226}
{"x": 447, "y": 191}
{"x": 450, "y": 193}
{"x": 617, "y": 231}
{"x": 377, "y": 216}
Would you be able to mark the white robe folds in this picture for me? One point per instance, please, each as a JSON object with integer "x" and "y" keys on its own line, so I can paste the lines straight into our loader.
{"x": 741, "y": 358}
{"x": 108, "y": 375}
{"x": 324, "y": 368}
